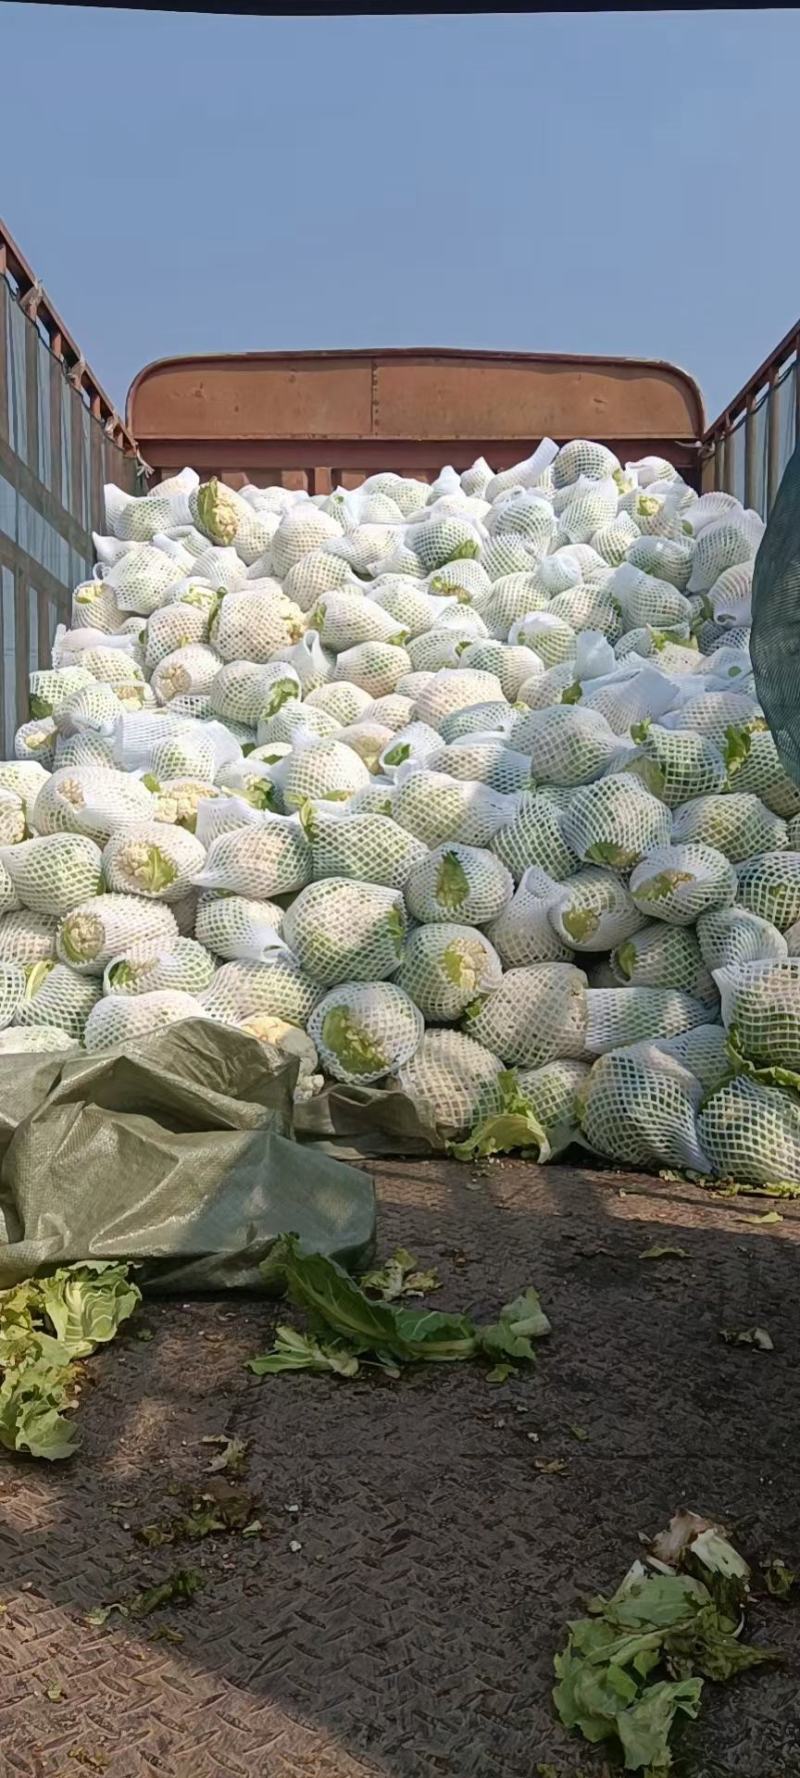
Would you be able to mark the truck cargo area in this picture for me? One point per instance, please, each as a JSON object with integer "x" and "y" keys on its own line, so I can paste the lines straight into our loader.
{"x": 420, "y": 1545}
{"x": 407, "y": 1552}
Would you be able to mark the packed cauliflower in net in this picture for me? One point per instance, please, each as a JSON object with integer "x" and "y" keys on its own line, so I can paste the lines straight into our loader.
{"x": 461, "y": 790}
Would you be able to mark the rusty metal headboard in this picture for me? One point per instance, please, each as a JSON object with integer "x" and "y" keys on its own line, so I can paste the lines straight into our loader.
{"x": 314, "y": 417}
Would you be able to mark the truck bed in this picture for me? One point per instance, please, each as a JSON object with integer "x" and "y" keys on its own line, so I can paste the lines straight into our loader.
{"x": 412, "y": 1633}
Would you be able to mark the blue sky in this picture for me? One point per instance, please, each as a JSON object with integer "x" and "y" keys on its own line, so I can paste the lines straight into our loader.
{"x": 612, "y": 184}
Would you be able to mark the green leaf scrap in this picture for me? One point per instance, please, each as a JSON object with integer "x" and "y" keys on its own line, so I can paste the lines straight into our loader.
{"x": 219, "y": 1507}
{"x": 347, "y": 1325}
{"x": 780, "y": 1579}
{"x": 400, "y": 1277}
{"x": 326, "y": 1292}
{"x": 640, "y": 1658}
{"x": 748, "y": 1336}
{"x": 500, "y": 1373}
{"x": 294, "y": 1351}
{"x": 514, "y": 1126}
{"x": 231, "y": 1456}
{"x": 178, "y": 1588}
{"x": 87, "y": 1304}
{"x": 520, "y": 1323}
{"x": 38, "y": 1382}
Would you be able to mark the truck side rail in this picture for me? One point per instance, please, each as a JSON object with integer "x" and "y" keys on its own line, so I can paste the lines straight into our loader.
{"x": 60, "y": 439}
{"x": 746, "y": 449}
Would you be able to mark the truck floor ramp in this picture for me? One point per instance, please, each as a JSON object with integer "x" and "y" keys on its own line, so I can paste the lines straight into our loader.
{"x": 418, "y": 1546}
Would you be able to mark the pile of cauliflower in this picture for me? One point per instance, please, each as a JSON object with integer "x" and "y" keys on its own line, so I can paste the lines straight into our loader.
{"x": 461, "y": 789}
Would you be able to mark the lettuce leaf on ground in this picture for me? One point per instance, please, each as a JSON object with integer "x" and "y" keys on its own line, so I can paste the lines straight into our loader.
{"x": 38, "y": 1380}
{"x": 640, "y": 1658}
{"x": 513, "y": 1126}
{"x": 33, "y": 1396}
{"x": 87, "y": 1304}
{"x": 520, "y": 1322}
{"x": 343, "y": 1319}
{"x": 295, "y": 1351}
{"x": 399, "y": 1276}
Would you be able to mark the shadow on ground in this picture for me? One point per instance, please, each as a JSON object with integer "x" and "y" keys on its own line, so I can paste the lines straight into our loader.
{"x": 412, "y": 1635}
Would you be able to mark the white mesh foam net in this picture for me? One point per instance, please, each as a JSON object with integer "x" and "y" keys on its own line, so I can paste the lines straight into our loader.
{"x": 401, "y": 756}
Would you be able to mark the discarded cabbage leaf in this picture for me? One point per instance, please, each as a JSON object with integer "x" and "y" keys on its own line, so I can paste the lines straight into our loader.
{"x": 32, "y": 1398}
{"x": 295, "y": 1351}
{"x": 346, "y": 1324}
{"x": 670, "y": 1545}
{"x": 87, "y": 1304}
{"x": 780, "y": 1579}
{"x": 231, "y": 1456}
{"x": 327, "y": 1293}
{"x": 178, "y": 1588}
{"x": 520, "y": 1322}
{"x": 640, "y": 1658}
{"x": 500, "y": 1373}
{"x": 748, "y": 1336}
{"x": 644, "y": 1729}
{"x": 400, "y": 1277}
{"x": 218, "y": 1508}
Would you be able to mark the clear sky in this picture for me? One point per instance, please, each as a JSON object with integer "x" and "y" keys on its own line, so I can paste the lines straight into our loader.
{"x": 610, "y": 184}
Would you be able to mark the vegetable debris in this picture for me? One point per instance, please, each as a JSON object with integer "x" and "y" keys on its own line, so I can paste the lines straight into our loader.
{"x": 638, "y": 1661}
{"x": 348, "y": 1328}
{"x": 39, "y": 1377}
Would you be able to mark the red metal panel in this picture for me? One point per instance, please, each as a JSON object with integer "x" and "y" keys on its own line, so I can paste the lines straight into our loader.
{"x": 337, "y": 412}
{"x": 273, "y": 460}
